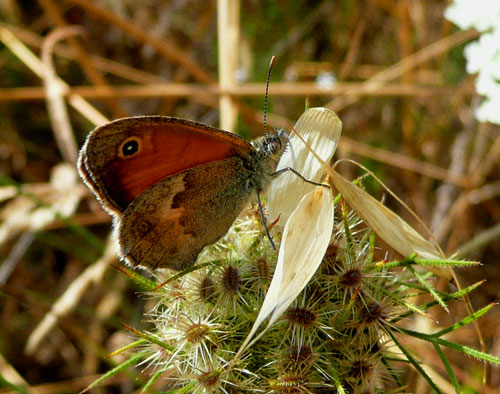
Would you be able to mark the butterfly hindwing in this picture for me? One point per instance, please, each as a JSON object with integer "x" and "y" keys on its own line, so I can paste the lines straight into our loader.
{"x": 170, "y": 223}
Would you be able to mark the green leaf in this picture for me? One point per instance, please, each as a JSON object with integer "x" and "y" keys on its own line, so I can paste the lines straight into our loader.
{"x": 446, "y": 297}
{"x": 411, "y": 308}
{"x": 414, "y": 362}
{"x": 393, "y": 374}
{"x": 347, "y": 231}
{"x": 452, "y": 345}
{"x": 153, "y": 379}
{"x": 426, "y": 262}
{"x": 150, "y": 338}
{"x": 128, "y": 347}
{"x": 187, "y": 389}
{"x": 447, "y": 365}
{"x": 185, "y": 272}
{"x": 429, "y": 288}
{"x": 469, "y": 319}
{"x": 142, "y": 282}
{"x": 131, "y": 361}
{"x": 469, "y": 351}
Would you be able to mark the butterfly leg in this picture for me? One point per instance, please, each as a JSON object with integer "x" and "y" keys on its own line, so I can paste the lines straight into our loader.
{"x": 264, "y": 221}
{"x": 279, "y": 172}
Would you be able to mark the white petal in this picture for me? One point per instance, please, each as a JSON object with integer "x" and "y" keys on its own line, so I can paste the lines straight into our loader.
{"x": 321, "y": 128}
{"x": 481, "y": 14}
{"x": 305, "y": 239}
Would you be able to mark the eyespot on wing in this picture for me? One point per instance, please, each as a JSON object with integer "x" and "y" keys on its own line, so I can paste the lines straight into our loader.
{"x": 159, "y": 147}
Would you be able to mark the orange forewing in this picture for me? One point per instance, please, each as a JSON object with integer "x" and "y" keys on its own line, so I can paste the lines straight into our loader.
{"x": 165, "y": 151}
{"x": 167, "y": 147}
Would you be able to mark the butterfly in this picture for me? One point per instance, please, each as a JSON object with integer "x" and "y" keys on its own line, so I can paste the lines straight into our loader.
{"x": 174, "y": 186}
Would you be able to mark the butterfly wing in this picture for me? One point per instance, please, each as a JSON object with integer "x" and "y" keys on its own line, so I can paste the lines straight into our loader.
{"x": 122, "y": 159}
{"x": 171, "y": 222}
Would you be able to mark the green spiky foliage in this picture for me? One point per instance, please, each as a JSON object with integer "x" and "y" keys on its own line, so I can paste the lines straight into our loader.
{"x": 344, "y": 332}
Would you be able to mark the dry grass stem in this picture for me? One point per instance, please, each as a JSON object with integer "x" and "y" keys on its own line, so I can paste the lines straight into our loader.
{"x": 54, "y": 12}
{"x": 54, "y": 96}
{"x": 165, "y": 48}
{"x": 65, "y": 303}
{"x": 300, "y": 89}
{"x": 37, "y": 66}
{"x": 228, "y": 29}
{"x": 405, "y": 65}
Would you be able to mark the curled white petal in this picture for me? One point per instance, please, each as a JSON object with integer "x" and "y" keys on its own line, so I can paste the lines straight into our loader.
{"x": 388, "y": 225}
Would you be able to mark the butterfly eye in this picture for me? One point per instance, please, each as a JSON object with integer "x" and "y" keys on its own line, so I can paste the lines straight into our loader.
{"x": 129, "y": 147}
{"x": 275, "y": 147}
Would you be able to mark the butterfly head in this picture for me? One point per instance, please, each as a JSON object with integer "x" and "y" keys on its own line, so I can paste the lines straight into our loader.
{"x": 269, "y": 150}
{"x": 271, "y": 146}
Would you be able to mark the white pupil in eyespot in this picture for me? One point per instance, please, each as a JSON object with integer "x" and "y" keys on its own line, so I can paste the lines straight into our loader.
{"x": 130, "y": 148}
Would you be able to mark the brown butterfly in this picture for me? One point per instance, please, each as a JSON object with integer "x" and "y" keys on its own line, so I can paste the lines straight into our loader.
{"x": 173, "y": 186}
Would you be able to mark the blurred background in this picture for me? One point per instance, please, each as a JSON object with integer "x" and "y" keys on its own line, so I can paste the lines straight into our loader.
{"x": 394, "y": 71}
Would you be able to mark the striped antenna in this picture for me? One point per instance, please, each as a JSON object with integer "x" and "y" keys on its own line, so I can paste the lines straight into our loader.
{"x": 271, "y": 64}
